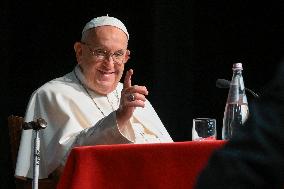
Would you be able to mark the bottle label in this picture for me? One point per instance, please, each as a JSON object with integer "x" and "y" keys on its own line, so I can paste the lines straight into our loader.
{"x": 233, "y": 95}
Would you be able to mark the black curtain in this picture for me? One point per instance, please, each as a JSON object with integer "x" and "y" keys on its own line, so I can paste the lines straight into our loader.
{"x": 178, "y": 50}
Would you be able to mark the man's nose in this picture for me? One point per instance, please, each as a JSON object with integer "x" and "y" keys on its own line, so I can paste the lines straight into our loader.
{"x": 108, "y": 61}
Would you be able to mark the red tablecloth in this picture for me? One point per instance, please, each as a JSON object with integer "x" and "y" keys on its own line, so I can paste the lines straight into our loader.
{"x": 160, "y": 166}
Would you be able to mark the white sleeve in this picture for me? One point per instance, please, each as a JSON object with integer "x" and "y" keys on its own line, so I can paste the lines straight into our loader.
{"x": 105, "y": 131}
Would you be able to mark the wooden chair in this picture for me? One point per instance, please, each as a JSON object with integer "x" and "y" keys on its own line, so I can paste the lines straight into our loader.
{"x": 15, "y": 129}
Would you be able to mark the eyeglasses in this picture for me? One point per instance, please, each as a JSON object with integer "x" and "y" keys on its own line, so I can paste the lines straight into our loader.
{"x": 101, "y": 54}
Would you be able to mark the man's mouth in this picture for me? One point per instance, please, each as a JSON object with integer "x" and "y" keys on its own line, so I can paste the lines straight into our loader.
{"x": 106, "y": 72}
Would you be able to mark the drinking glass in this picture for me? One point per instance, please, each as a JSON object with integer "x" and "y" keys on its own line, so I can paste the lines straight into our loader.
{"x": 204, "y": 129}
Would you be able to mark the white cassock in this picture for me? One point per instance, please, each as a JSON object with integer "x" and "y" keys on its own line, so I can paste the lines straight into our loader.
{"x": 74, "y": 119}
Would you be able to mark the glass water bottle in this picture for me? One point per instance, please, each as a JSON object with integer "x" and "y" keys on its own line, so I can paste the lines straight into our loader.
{"x": 236, "y": 110}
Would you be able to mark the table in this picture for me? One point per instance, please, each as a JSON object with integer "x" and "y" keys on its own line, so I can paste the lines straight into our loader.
{"x": 166, "y": 166}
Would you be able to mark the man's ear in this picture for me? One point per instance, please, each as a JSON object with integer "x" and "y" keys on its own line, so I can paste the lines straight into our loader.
{"x": 127, "y": 56}
{"x": 78, "y": 51}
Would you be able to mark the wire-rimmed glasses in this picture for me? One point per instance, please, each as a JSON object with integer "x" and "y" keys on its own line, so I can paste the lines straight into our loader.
{"x": 101, "y": 54}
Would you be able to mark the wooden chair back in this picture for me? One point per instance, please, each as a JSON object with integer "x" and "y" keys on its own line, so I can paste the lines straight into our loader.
{"x": 15, "y": 130}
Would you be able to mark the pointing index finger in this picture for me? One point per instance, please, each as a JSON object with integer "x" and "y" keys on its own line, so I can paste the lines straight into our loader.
{"x": 127, "y": 79}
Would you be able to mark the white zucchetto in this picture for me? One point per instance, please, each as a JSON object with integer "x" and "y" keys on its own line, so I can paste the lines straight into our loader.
{"x": 105, "y": 21}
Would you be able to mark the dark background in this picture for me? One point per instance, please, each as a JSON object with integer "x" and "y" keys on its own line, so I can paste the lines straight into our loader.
{"x": 178, "y": 50}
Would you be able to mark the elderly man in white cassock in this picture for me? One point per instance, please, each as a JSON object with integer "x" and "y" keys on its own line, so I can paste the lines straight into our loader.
{"x": 89, "y": 106}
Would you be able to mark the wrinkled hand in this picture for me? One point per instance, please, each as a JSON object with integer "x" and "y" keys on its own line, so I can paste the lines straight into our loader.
{"x": 127, "y": 102}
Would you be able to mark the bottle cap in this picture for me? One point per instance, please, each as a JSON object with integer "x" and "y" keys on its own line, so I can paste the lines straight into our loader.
{"x": 237, "y": 66}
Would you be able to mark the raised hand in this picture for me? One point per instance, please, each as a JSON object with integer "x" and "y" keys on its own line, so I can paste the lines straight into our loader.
{"x": 131, "y": 97}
